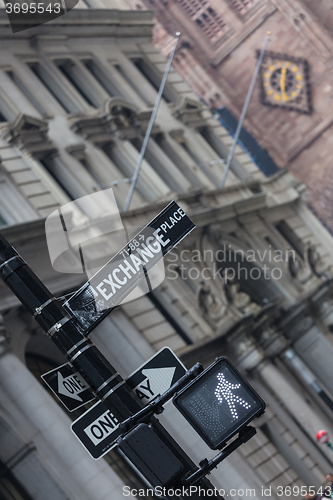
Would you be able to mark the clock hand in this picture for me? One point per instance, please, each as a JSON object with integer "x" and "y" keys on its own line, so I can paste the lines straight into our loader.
{"x": 283, "y": 82}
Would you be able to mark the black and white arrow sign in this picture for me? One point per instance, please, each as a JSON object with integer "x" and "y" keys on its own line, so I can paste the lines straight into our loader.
{"x": 68, "y": 386}
{"x": 157, "y": 381}
{"x": 97, "y": 428}
{"x": 156, "y": 375}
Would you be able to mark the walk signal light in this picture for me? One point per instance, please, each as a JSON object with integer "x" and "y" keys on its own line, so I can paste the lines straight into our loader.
{"x": 219, "y": 403}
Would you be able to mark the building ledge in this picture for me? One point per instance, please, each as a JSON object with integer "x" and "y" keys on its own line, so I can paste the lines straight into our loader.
{"x": 101, "y": 22}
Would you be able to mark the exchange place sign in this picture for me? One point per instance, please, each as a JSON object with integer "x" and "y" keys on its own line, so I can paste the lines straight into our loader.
{"x": 114, "y": 281}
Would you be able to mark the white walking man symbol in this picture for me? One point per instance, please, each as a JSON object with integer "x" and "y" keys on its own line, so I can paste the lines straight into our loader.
{"x": 224, "y": 390}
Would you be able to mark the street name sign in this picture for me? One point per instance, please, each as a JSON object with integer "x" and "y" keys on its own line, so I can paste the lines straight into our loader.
{"x": 68, "y": 386}
{"x": 115, "y": 281}
{"x": 97, "y": 429}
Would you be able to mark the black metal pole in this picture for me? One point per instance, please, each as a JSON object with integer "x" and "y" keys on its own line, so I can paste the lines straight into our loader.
{"x": 81, "y": 353}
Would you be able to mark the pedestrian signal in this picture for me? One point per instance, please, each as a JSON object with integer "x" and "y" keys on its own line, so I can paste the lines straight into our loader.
{"x": 219, "y": 403}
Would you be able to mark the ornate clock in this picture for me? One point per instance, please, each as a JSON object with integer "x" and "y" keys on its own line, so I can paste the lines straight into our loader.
{"x": 285, "y": 82}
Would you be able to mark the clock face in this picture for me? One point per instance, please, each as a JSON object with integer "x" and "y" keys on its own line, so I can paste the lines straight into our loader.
{"x": 285, "y": 82}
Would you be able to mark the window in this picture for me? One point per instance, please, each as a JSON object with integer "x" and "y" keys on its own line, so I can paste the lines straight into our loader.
{"x": 204, "y": 166}
{"x": 53, "y": 87}
{"x": 10, "y": 488}
{"x": 158, "y": 165}
{"x": 86, "y": 164}
{"x": 126, "y": 167}
{"x": 154, "y": 78}
{"x": 18, "y": 82}
{"x": 115, "y": 155}
{"x": 59, "y": 174}
{"x": 192, "y": 7}
{"x": 131, "y": 83}
{"x": 242, "y": 6}
{"x": 70, "y": 70}
{"x": 289, "y": 235}
{"x": 183, "y": 167}
{"x": 206, "y": 18}
{"x": 211, "y": 24}
{"x": 214, "y": 142}
{"x": 101, "y": 77}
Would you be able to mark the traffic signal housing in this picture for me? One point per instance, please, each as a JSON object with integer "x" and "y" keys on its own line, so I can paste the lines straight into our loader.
{"x": 219, "y": 403}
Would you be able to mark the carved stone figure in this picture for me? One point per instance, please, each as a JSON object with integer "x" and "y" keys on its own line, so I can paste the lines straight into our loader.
{"x": 241, "y": 300}
{"x": 209, "y": 304}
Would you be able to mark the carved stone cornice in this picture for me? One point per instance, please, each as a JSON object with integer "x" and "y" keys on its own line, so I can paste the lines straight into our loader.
{"x": 189, "y": 112}
{"x": 118, "y": 118}
{"x": 76, "y": 150}
{"x": 96, "y": 129}
{"x": 30, "y": 133}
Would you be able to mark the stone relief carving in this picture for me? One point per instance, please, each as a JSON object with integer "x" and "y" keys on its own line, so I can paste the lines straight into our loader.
{"x": 241, "y": 300}
{"x": 210, "y": 303}
{"x": 221, "y": 294}
{"x": 316, "y": 263}
{"x": 299, "y": 269}
{"x": 311, "y": 264}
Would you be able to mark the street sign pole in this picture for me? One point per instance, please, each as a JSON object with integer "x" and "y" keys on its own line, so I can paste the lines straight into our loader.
{"x": 97, "y": 429}
{"x": 105, "y": 382}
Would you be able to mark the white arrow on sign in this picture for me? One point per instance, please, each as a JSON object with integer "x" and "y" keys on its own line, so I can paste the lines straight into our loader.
{"x": 157, "y": 381}
{"x": 71, "y": 386}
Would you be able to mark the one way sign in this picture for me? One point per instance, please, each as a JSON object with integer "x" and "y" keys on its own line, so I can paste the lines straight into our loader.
{"x": 68, "y": 386}
{"x": 97, "y": 428}
{"x": 156, "y": 375}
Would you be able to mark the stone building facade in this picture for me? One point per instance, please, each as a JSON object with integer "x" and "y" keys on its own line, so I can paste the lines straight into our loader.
{"x": 217, "y": 56}
{"x": 252, "y": 282}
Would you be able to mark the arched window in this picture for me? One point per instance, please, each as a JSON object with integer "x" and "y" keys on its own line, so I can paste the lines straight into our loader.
{"x": 242, "y": 6}
{"x": 206, "y": 18}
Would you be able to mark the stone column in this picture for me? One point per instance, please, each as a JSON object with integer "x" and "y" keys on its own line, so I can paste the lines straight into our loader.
{"x": 166, "y": 168}
{"x": 203, "y": 151}
{"x": 190, "y": 169}
{"x": 296, "y": 405}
